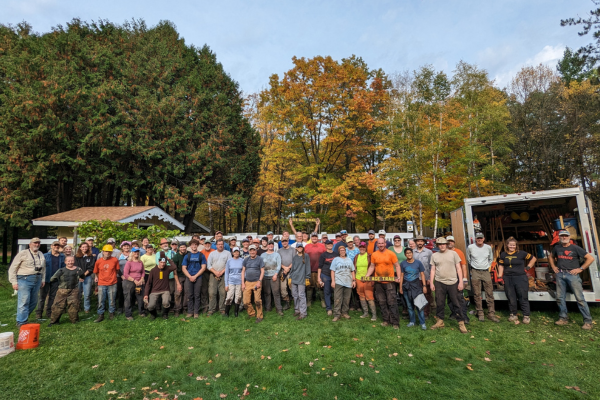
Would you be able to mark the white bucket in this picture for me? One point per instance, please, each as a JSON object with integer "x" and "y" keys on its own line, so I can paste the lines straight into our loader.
{"x": 7, "y": 343}
{"x": 540, "y": 272}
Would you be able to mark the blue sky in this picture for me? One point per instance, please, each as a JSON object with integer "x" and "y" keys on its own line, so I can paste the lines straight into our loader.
{"x": 254, "y": 39}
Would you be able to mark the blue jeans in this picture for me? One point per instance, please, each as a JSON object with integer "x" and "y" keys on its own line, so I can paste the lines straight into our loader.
{"x": 29, "y": 287}
{"x": 327, "y": 290}
{"x": 564, "y": 280}
{"x": 411, "y": 311}
{"x": 103, "y": 293}
{"x": 85, "y": 288}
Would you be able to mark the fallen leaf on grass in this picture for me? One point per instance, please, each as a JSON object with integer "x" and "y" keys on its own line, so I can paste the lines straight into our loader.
{"x": 487, "y": 359}
{"x": 156, "y": 338}
{"x": 531, "y": 342}
{"x": 210, "y": 361}
{"x": 191, "y": 374}
{"x": 162, "y": 347}
{"x": 97, "y": 386}
{"x": 433, "y": 341}
{"x": 355, "y": 339}
{"x": 222, "y": 395}
{"x": 112, "y": 392}
{"x": 359, "y": 355}
{"x": 361, "y": 379}
{"x": 246, "y": 330}
{"x": 190, "y": 348}
{"x": 94, "y": 366}
{"x": 560, "y": 340}
{"x": 458, "y": 359}
{"x": 262, "y": 357}
{"x": 410, "y": 355}
{"x": 487, "y": 352}
{"x": 217, "y": 375}
{"x": 281, "y": 366}
{"x": 284, "y": 350}
{"x": 469, "y": 367}
{"x": 543, "y": 340}
{"x": 310, "y": 364}
{"x": 146, "y": 388}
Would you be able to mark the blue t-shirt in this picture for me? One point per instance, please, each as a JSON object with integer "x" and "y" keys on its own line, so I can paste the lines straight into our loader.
{"x": 290, "y": 242}
{"x": 225, "y": 245}
{"x": 233, "y": 271}
{"x": 343, "y": 268}
{"x": 193, "y": 262}
{"x": 412, "y": 271}
{"x": 338, "y": 245}
{"x": 352, "y": 253}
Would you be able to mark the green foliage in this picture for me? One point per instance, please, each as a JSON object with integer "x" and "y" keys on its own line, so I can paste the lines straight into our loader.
{"x": 105, "y": 229}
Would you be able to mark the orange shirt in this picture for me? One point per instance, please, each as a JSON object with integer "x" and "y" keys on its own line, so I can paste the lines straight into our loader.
{"x": 371, "y": 246}
{"x": 106, "y": 270}
{"x": 207, "y": 253}
{"x": 461, "y": 255}
{"x": 384, "y": 263}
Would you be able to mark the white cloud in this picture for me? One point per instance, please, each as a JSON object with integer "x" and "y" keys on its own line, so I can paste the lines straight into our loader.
{"x": 549, "y": 56}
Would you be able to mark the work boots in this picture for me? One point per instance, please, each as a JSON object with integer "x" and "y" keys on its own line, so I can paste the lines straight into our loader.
{"x": 165, "y": 313}
{"x": 514, "y": 318}
{"x": 100, "y": 318}
{"x": 286, "y": 305}
{"x": 236, "y": 309}
{"x": 461, "y": 327}
{"x": 439, "y": 324}
{"x": 492, "y": 317}
{"x": 365, "y": 308}
{"x": 111, "y": 316}
{"x": 153, "y": 314}
{"x": 373, "y": 308}
{"x": 227, "y": 309}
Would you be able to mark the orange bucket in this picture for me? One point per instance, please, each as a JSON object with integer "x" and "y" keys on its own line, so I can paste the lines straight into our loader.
{"x": 29, "y": 337}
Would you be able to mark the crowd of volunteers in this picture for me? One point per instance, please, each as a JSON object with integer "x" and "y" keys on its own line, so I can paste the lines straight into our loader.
{"x": 261, "y": 273}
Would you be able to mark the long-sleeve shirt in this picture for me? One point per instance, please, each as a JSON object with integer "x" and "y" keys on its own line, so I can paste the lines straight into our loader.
{"x": 233, "y": 271}
{"x": 25, "y": 263}
{"x": 68, "y": 278}
{"x": 134, "y": 269}
{"x": 300, "y": 271}
{"x": 158, "y": 279}
{"x": 480, "y": 257}
{"x": 272, "y": 264}
{"x": 53, "y": 264}
{"x": 86, "y": 263}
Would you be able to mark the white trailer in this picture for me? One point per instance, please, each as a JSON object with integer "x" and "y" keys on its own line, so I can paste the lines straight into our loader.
{"x": 492, "y": 213}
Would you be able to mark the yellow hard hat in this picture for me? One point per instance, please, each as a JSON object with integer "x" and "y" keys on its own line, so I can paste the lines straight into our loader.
{"x": 107, "y": 247}
{"x": 515, "y": 216}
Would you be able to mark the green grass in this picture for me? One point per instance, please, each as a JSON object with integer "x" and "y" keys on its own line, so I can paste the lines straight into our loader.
{"x": 536, "y": 361}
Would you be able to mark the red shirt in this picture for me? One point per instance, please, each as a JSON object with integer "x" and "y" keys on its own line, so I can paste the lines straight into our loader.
{"x": 106, "y": 271}
{"x": 314, "y": 251}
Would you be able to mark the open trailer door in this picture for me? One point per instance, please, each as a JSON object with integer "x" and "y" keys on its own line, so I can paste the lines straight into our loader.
{"x": 593, "y": 241}
{"x": 458, "y": 229}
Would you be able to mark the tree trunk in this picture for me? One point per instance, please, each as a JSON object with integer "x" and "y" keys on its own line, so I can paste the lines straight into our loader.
{"x": 14, "y": 249}
{"x": 188, "y": 219}
{"x": 260, "y": 207}
{"x": 246, "y": 214}
{"x": 211, "y": 220}
{"x": 348, "y": 219}
{"x": 118, "y": 196}
{"x": 5, "y": 244}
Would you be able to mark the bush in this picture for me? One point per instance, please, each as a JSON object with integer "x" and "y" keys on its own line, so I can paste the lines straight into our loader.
{"x": 102, "y": 230}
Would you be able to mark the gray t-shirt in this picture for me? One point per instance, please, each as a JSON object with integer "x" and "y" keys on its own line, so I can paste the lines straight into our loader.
{"x": 342, "y": 267}
{"x": 425, "y": 257}
{"x": 287, "y": 255}
{"x": 218, "y": 260}
{"x": 272, "y": 264}
{"x": 253, "y": 267}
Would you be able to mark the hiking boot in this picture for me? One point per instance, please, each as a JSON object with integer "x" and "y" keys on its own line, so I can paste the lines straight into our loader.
{"x": 352, "y": 309}
{"x": 280, "y": 313}
{"x": 562, "y": 321}
{"x": 100, "y": 318}
{"x": 513, "y": 318}
{"x": 492, "y": 317}
{"x": 396, "y": 327}
{"x": 286, "y": 306}
{"x": 335, "y": 319}
{"x": 439, "y": 324}
{"x": 462, "y": 328}
{"x": 296, "y": 313}
{"x": 176, "y": 314}
{"x": 384, "y": 324}
{"x": 323, "y": 303}
{"x": 111, "y": 316}
{"x": 526, "y": 319}
{"x": 196, "y": 316}
{"x": 153, "y": 315}
{"x": 345, "y": 316}
{"x": 208, "y": 314}
{"x": 587, "y": 326}
{"x": 481, "y": 317}
{"x": 258, "y": 320}
{"x": 365, "y": 308}
{"x": 329, "y": 312}
{"x": 189, "y": 315}
{"x": 38, "y": 315}
{"x": 300, "y": 317}
{"x": 222, "y": 312}
{"x": 373, "y": 308}
{"x": 227, "y": 310}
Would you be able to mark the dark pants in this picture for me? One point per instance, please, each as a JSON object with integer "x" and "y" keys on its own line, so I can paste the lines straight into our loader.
{"x": 180, "y": 297}
{"x": 427, "y": 308}
{"x": 66, "y": 299}
{"x": 385, "y": 293}
{"x": 120, "y": 294}
{"x": 341, "y": 303}
{"x": 49, "y": 290}
{"x": 192, "y": 291}
{"x": 327, "y": 290}
{"x": 204, "y": 291}
{"x": 271, "y": 287}
{"x": 453, "y": 294}
{"x": 517, "y": 289}
{"x": 463, "y": 306}
{"x": 129, "y": 294}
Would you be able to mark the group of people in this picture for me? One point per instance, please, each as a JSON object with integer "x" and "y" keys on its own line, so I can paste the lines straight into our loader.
{"x": 346, "y": 273}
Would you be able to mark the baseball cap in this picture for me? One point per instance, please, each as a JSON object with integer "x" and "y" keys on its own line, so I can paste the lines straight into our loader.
{"x": 564, "y": 232}
{"x": 245, "y": 240}
{"x": 163, "y": 241}
{"x": 218, "y": 232}
{"x": 420, "y": 237}
{"x": 125, "y": 242}
{"x": 256, "y": 240}
{"x": 328, "y": 242}
{"x": 111, "y": 240}
{"x": 269, "y": 233}
{"x": 314, "y": 234}
{"x": 323, "y": 234}
{"x": 162, "y": 260}
{"x": 382, "y": 232}
{"x": 87, "y": 238}
{"x": 35, "y": 240}
{"x": 362, "y": 244}
{"x": 235, "y": 249}
{"x": 56, "y": 243}
{"x": 252, "y": 247}
{"x": 349, "y": 240}
{"x": 344, "y": 232}
{"x": 270, "y": 242}
{"x": 397, "y": 237}
{"x": 371, "y": 232}
{"x": 299, "y": 244}
{"x": 285, "y": 239}
{"x": 450, "y": 238}
{"x": 479, "y": 235}
{"x": 135, "y": 249}
{"x": 338, "y": 234}
{"x": 175, "y": 241}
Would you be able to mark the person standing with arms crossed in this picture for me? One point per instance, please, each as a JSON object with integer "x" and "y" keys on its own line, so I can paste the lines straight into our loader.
{"x": 480, "y": 258}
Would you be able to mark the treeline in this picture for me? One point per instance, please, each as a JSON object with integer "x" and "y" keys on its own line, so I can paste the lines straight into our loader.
{"x": 361, "y": 149}
{"x": 100, "y": 114}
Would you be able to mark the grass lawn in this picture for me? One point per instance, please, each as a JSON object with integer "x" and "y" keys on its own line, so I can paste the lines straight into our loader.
{"x": 282, "y": 358}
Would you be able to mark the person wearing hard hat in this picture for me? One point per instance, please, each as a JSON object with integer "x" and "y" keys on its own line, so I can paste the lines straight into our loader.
{"x": 446, "y": 281}
{"x": 106, "y": 277}
{"x": 480, "y": 258}
{"x": 566, "y": 264}
{"x": 27, "y": 275}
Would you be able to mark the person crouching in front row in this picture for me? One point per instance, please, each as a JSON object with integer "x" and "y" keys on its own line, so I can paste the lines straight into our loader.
{"x": 158, "y": 286}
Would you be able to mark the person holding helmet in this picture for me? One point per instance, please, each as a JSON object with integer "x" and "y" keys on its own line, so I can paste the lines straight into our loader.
{"x": 566, "y": 264}
{"x": 27, "y": 275}
{"x": 446, "y": 281}
{"x": 106, "y": 270}
{"x": 233, "y": 282}
{"x": 480, "y": 257}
